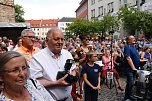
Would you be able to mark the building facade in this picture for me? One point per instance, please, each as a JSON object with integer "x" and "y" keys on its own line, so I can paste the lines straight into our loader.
{"x": 41, "y": 27}
{"x": 62, "y": 24}
{"x": 82, "y": 10}
{"x": 7, "y": 11}
{"x": 99, "y": 8}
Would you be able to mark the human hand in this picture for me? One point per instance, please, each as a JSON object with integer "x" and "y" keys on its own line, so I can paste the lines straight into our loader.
{"x": 134, "y": 71}
{"x": 95, "y": 88}
{"x": 79, "y": 99}
{"x": 99, "y": 87}
{"x": 62, "y": 81}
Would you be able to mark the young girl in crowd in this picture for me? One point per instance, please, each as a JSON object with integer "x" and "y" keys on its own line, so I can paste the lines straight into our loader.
{"x": 91, "y": 75}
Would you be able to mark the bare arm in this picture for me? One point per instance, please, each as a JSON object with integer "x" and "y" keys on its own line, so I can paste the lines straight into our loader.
{"x": 142, "y": 55}
{"x": 131, "y": 63}
{"x": 114, "y": 59}
{"x": 46, "y": 83}
{"x": 99, "y": 76}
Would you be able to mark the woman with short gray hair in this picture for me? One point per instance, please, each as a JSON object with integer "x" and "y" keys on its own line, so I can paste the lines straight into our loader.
{"x": 15, "y": 82}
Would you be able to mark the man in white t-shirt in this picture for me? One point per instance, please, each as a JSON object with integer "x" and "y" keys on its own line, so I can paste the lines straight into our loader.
{"x": 45, "y": 65}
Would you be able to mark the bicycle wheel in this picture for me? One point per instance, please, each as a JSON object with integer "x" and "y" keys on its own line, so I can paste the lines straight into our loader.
{"x": 135, "y": 92}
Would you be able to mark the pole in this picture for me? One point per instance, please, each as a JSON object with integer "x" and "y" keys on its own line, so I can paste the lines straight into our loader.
{"x": 111, "y": 33}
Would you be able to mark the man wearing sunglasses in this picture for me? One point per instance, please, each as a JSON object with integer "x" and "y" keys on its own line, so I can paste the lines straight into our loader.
{"x": 27, "y": 48}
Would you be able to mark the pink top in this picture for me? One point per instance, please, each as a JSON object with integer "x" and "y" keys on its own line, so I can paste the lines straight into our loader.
{"x": 107, "y": 63}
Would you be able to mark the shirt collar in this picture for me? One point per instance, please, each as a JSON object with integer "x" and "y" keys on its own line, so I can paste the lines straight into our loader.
{"x": 27, "y": 50}
{"x": 53, "y": 55}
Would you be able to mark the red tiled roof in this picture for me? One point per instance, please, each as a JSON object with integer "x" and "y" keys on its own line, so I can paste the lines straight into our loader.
{"x": 43, "y": 23}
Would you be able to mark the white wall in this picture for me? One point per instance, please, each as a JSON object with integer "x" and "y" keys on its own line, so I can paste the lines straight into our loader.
{"x": 116, "y": 5}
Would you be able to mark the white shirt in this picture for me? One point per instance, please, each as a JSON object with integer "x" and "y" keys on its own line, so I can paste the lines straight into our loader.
{"x": 37, "y": 94}
{"x": 43, "y": 64}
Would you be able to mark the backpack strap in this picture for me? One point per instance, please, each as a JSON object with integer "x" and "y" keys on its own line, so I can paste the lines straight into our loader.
{"x": 33, "y": 82}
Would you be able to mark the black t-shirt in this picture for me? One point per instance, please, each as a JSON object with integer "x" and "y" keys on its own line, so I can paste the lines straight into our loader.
{"x": 92, "y": 73}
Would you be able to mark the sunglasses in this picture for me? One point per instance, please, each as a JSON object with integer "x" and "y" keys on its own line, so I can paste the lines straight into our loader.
{"x": 31, "y": 37}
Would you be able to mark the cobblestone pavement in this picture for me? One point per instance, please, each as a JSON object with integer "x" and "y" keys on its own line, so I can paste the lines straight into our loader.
{"x": 107, "y": 94}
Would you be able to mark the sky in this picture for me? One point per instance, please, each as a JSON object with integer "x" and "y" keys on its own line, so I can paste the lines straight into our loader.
{"x": 48, "y": 9}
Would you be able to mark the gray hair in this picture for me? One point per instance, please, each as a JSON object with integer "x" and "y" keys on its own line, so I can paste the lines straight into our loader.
{"x": 25, "y": 31}
{"x": 5, "y": 57}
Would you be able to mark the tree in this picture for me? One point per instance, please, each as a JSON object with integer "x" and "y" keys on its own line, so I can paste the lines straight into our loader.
{"x": 19, "y": 13}
{"x": 109, "y": 23}
{"x": 134, "y": 20}
{"x": 78, "y": 27}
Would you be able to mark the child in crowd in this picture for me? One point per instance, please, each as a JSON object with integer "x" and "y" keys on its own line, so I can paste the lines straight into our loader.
{"x": 91, "y": 75}
{"x": 76, "y": 88}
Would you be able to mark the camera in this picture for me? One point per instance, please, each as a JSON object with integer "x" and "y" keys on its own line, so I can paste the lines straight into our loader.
{"x": 70, "y": 78}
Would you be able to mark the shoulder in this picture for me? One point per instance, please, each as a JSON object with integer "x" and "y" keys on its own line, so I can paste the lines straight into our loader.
{"x": 40, "y": 52}
{"x": 19, "y": 49}
{"x": 66, "y": 53}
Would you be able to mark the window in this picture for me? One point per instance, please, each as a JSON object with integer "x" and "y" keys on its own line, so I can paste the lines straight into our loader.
{"x": 61, "y": 24}
{"x": 110, "y": 7}
{"x": 100, "y": 11}
{"x": 92, "y": 2}
{"x": 93, "y": 14}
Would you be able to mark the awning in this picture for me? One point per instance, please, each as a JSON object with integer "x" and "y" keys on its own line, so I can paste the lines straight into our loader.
{"x": 7, "y": 24}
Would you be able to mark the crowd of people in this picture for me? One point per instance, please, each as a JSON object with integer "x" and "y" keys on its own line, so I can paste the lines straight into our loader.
{"x": 29, "y": 69}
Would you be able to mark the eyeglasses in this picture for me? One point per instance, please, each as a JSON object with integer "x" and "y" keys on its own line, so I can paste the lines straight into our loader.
{"x": 31, "y": 37}
{"x": 17, "y": 70}
{"x": 87, "y": 39}
{"x": 56, "y": 39}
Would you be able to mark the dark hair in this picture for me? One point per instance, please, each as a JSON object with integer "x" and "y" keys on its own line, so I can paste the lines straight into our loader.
{"x": 83, "y": 37}
{"x": 5, "y": 57}
{"x": 145, "y": 48}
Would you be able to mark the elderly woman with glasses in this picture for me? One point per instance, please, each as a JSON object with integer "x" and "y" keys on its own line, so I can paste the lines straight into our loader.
{"x": 15, "y": 82}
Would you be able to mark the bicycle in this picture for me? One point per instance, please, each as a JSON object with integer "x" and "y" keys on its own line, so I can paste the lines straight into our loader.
{"x": 140, "y": 90}
{"x": 110, "y": 80}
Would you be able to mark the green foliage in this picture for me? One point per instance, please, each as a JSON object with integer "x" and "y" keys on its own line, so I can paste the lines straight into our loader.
{"x": 109, "y": 23}
{"x": 19, "y": 13}
{"x": 93, "y": 27}
{"x": 135, "y": 20}
{"x": 79, "y": 26}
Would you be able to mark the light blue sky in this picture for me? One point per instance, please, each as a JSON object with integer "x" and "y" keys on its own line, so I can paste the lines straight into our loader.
{"x": 48, "y": 9}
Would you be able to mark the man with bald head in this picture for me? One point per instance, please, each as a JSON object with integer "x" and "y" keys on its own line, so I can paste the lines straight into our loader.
{"x": 132, "y": 62}
{"x": 45, "y": 65}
